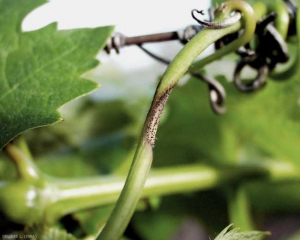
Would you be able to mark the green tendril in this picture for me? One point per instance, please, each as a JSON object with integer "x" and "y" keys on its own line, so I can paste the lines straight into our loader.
{"x": 283, "y": 19}
{"x": 249, "y": 25}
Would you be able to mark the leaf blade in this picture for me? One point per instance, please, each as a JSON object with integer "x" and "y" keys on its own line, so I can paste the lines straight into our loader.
{"x": 41, "y": 70}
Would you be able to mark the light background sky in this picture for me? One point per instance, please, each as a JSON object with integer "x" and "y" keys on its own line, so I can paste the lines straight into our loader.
{"x": 131, "y": 17}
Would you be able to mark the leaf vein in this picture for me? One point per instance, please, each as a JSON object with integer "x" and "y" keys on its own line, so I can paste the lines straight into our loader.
{"x": 53, "y": 61}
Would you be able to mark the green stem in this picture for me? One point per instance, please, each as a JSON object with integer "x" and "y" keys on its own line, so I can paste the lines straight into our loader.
{"x": 73, "y": 195}
{"x": 239, "y": 208}
{"x": 283, "y": 19}
{"x": 260, "y": 10}
{"x": 287, "y": 70}
{"x": 130, "y": 194}
{"x": 25, "y": 166}
{"x": 280, "y": 171}
{"x": 21, "y": 143}
{"x": 141, "y": 164}
{"x": 50, "y": 198}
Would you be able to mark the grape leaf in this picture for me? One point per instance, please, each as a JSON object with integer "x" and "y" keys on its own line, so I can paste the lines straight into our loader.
{"x": 40, "y": 70}
{"x": 234, "y": 234}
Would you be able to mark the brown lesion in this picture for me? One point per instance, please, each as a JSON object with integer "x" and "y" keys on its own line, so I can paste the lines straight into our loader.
{"x": 154, "y": 116}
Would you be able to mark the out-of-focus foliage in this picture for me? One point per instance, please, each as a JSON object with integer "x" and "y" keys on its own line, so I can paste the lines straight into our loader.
{"x": 255, "y": 124}
{"x": 295, "y": 236}
{"x": 207, "y": 208}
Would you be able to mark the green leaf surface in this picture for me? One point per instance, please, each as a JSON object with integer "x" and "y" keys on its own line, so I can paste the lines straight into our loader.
{"x": 234, "y": 234}
{"x": 41, "y": 70}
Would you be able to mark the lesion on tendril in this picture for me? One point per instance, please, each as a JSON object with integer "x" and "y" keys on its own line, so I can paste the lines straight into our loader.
{"x": 154, "y": 117}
